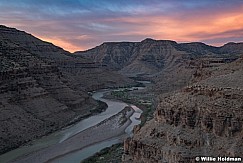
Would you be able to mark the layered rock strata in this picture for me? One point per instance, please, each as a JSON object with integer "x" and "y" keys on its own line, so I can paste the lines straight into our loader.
{"x": 204, "y": 119}
{"x": 43, "y": 87}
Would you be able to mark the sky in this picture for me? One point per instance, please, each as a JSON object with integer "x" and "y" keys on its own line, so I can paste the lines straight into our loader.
{"x": 83, "y": 24}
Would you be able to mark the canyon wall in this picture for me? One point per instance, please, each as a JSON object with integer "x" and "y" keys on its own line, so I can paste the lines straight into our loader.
{"x": 44, "y": 88}
{"x": 203, "y": 119}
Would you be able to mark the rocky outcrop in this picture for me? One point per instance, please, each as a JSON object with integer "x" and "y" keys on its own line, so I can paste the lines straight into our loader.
{"x": 32, "y": 44}
{"x": 152, "y": 56}
{"x": 168, "y": 64}
{"x": 34, "y": 100}
{"x": 44, "y": 88}
{"x": 232, "y": 48}
{"x": 133, "y": 58}
{"x": 204, "y": 119}
{"x": 82, "y": 72}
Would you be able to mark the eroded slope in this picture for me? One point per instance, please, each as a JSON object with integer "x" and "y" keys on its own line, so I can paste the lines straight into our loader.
{"x": 203, "y": 119}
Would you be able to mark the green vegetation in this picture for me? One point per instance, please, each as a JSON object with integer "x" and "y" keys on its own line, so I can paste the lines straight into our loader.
{"x": 120, "y": 94}
{"x": 111, "y": 154}
{"x": 145, "y": 105}
{"x": 114, "y": 153}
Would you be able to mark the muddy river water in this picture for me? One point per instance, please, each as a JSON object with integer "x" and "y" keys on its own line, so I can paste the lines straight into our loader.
{"x": 114, "y": 107}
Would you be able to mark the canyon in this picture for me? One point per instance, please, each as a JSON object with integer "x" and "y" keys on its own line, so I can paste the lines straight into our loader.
{"x": 199, "y": 105}
{"x": 198, "y": 90}
{"x": 201, "y": 119}
{"x": 44, "y": 88}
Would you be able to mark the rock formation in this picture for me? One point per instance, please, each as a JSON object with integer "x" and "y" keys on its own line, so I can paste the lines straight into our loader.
{"x": 168, "y": 64}
{"x": 202, "y": 119}
{"x": 152, "y": 56}
{"x": 43, "y": 87}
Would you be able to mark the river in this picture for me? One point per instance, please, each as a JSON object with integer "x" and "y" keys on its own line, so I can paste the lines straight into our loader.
{"x": 59, "y": 137}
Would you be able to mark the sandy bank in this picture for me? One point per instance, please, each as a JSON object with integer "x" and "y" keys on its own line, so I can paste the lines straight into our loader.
{"x": 111, "y": 127}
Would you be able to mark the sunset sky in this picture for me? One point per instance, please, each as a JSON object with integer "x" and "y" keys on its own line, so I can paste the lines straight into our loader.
{"x": 82, "y": 24}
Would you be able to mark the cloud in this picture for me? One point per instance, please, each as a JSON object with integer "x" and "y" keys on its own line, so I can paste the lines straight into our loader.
{"x": 82, "y": 24}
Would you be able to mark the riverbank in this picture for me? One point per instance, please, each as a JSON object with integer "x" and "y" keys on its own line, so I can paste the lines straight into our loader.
{"x": 111, "y": 127}
{"x": 114, "y": 153}
{"x": 101, "y": 107}
{"x": 21, "y": 149}
{"x": 23, "y": 125}
{"x": 50, "y": 126}
{"x": 139, "y": 97}
{"x": 111, "y": 154}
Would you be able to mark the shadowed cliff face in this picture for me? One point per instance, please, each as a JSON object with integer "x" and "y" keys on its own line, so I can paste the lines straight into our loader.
{"x": 133, "y": 58}
{"x": 152, "y": 56}
{"x": 168, "y": 64}
{"x": 203, "y": 119}
{"x": 43, "y": 87}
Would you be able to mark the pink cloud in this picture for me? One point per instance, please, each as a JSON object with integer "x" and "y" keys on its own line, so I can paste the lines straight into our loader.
{"x": 182, "y": 24}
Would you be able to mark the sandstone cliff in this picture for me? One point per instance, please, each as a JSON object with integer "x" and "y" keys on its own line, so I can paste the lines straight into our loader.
{"x": 202, "y": 119}
{"x": 168, "y": 64}
{"x": 152, "y": 56}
